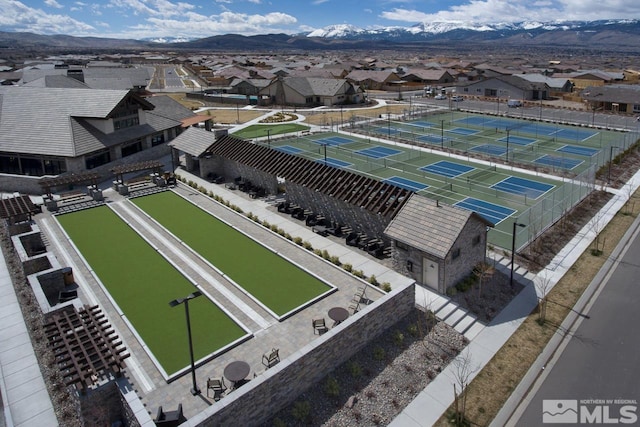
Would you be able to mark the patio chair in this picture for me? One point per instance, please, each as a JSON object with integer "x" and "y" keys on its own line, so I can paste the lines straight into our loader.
{"x": 271, "y": 359}
{"x": 217, "y": 386}
{"x": 319, "y": 326}
{"x": 170, "y": 418}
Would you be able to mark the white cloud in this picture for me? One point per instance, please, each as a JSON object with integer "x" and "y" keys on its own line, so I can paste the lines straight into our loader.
{"x": 53, "y": 3}
{"x": 16, "y": 16}
{"x": 491, "y": 11}
{"x": 255, "y": 1}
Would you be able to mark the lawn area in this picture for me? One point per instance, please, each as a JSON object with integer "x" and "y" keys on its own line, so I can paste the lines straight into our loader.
{"x": 142, "y": 283}
{"x": 259, "y": 131}
{"x": 271, "y": 279}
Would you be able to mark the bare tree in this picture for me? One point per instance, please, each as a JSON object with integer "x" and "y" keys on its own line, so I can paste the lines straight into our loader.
{"x": 462, "y": 373}
{"x": 543, "y": 286}
{"x": 628, "y": 192}
{"x": 483, "y": 271}
{"x": 597, "y": 224}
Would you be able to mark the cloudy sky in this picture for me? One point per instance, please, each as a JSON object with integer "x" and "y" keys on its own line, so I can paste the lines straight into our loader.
{"x": 202, "y": 18}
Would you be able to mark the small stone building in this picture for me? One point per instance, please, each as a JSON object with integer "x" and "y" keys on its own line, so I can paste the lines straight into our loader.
{"x": 437, "y": 244}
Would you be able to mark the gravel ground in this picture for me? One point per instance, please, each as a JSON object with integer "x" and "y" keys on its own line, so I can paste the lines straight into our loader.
{"x": 380, "y": 380}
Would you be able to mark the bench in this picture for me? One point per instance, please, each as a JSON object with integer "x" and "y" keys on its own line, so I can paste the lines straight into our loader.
{"x": 72, "y": 197}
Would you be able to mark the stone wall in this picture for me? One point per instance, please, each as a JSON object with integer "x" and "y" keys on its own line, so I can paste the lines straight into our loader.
{"x": 280, "y": 385}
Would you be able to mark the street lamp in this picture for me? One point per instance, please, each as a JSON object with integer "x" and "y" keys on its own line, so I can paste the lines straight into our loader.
{"x": 269, "y": 138}
{"x": 610, "y": 161}
{"x": 442, "y": 134}
{"x": 194, "y": 390}
{"x": 513, "y": 247}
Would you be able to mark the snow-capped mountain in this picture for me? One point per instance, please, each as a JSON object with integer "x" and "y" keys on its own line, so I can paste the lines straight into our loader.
{"x": 459, "y": 29}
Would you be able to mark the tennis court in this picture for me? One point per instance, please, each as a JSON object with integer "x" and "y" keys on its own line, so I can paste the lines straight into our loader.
{"x": 422, "y": 124}
{"x": 536, "y": 129}
{"x": 378, "y": 152}
{"x": 333, "y": 140}
{"x": 334, "y": 162}
{"x": 523, "y": 187}
{"x": 490, "y": 149}
{"x": 447, "y": 168}
{"x": 288, "y": 149}
{"x": 432, "y": 139}
{"x": 405, "y": 183}
{"x": 558, "y": 162}
{"x": 581, "y": 151}
{"x": 464, "y": 131}
{"x": 490, "y": 211}
{"x": 518, "y": 140}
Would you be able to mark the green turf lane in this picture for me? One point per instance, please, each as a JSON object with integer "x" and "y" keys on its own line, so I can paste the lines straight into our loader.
{"x": 142, "y": 283}
{"x": 271, "y": 279}
{"x": 260, "y": 130}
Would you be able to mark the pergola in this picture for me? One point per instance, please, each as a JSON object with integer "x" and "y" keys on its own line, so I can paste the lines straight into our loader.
{"x": 153, "y": 165}
{"x": 75, "y": 178}
{"x": 17, "y": 208}
{"x": 86, "y": 347}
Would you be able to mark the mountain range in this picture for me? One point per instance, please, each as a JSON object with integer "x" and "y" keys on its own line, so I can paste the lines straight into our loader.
{"x": 609, "y": 35}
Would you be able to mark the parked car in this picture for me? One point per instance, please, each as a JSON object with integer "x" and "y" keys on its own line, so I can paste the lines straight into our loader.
{"x": 457, "y": 98}
{"x": 514, "y": 103}
{"x": 440, "y": 96}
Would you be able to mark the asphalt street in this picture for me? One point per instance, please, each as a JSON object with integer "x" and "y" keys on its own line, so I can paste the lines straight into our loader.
{"x": 595, "y": 372}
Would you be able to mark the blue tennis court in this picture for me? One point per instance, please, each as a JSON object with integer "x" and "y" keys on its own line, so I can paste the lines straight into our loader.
{"x": 378, "y": 152}
{"x": 433, "y": 139}
{"x": 422, "y": 124}
{"x": 446, "y": 168}
{"x": 387, "y": 130}
{"x": 333, "y": 140}
{"x": 334, "y": 162}
{"x": 531, "y": 128}
{"x": 288, "y": 149}
{"x": 522, "y": 186}
{"x": 558, "y": 162}
{"x": 407, "y": 184}
{"x": 581, "y": 151}
{"x": 518, "y": 140}
{"x": 489, "y": 211}
{"x": 463, "y": 131}
{"x": 490, "y": 149}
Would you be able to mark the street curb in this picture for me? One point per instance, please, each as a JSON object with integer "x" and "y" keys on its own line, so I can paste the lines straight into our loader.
{"x": 513, "y": 406}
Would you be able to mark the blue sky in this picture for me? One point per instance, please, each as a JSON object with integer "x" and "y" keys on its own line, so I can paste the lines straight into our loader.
{"x": 203, "y": 18}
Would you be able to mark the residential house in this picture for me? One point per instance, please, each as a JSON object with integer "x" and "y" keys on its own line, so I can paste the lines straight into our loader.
{"x": 420, "y": 77}
{"x": 437, "y": 244}
{"x": 616, "y": 98}
{"x": 557, "y": 86}
{"x": 310, "y": 91}
{"x": 506, "y": 87}
{"x": 372, "y": 80}
{"x": 586, "y": 78}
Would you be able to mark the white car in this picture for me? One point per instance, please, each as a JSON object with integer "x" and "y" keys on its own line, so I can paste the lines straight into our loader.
{"x": 457, "y": 98}
{"x": 440, "y": 96}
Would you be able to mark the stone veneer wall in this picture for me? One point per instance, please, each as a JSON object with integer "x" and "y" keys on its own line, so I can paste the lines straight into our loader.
{"x": 280, "y": 385}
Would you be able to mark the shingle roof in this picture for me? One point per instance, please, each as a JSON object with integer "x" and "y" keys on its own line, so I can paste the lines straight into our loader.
{"x": 193, "y": 141}
{"x": 310, "y": 86}
{"x": 429, "y": 226}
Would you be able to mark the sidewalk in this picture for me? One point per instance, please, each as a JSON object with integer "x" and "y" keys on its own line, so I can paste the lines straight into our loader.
{"x": 436, "y": 398}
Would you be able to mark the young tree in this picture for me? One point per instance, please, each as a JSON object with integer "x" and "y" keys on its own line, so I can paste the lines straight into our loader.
{"x": 483, "y": 271}
{"x": 462, "y": 373}
{"x": 543, "y": 286}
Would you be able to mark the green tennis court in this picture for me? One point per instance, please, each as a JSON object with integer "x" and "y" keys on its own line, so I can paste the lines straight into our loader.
{"x": 142, "y": 283}
{"x": 276, "y": 283}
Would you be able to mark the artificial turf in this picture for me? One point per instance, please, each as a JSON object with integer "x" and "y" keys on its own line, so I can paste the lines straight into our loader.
{"x": 272, "y": 280}
{"x": 142, "y": 283}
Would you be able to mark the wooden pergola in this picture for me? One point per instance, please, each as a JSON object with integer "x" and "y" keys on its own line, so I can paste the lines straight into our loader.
{"x": 153, "y": 165}
{"x": 17, "y": 208}
{"x": 86, "y": 347}
{"x": 75, "y": 178}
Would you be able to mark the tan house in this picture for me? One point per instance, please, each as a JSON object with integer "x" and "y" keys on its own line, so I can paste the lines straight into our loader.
{"x": 615, "y": 98}
{"x": 372, "y": 80}
{"x": 437, "y": 244}
{"x": 310, "y": 92}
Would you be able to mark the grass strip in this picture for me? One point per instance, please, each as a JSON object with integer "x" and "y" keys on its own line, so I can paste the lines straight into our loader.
{"x": 142, "y": 283}
{"x": 271, "y": 279}
{"x": 258, "y": 131}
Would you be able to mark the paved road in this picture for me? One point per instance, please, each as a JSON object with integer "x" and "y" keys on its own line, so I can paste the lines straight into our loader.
{"x": 601, "y": 360}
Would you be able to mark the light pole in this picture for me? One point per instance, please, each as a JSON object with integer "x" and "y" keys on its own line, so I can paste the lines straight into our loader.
{"x": 269, "y": 138}
{"x": 610, "y": 161}
{"x": 442, "y": 134}
{"x": 513, "y": 247}
{"x": 194, "y": 390}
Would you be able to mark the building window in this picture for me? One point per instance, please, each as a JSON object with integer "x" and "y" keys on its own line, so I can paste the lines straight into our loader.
{"x": 636, "y": 108}
{"x": 476, "y": 240}
{"x": 157, "y": 139}
{"x": 131, "y": 148}
{"x": 98, "y": 159}
{"x": 9, "y": 164}
{"x": 455, "y": 254}
{"x": 126, "y": 123}
{"x": 466, "y": 89}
